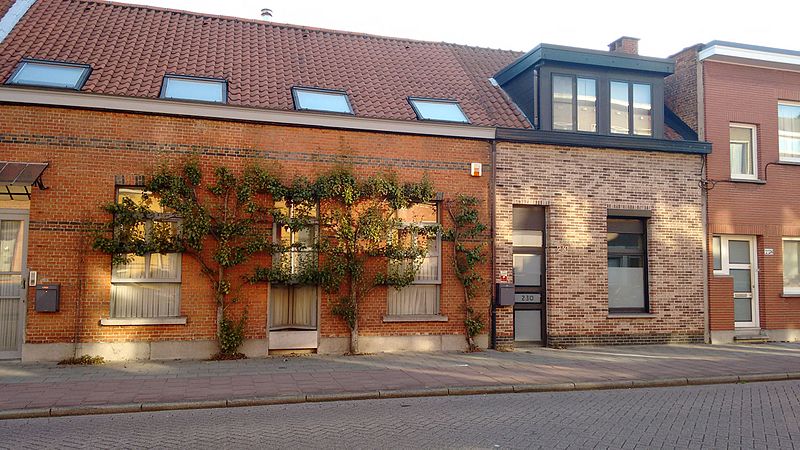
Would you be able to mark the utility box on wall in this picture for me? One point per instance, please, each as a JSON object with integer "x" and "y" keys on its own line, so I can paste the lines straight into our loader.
{"x": 47, "y": 297}
{"x": 505, "y": 294}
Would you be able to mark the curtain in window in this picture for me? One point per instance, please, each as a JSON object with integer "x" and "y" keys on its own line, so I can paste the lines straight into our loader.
{"x": 163, "y": 266}
{"x": 417, "y": 299}
{"x": 129, "y": 300}
{"x": 293, "y": 307}
{"x": 10, "y": 246}
{"x": 791, "y": 266}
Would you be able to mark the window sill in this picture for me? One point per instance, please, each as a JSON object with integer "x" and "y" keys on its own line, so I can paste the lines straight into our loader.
{"x": 143, "y": 321}
{"x": 747, "y": 180}
{"x": 418, "y": 318}
{"x": 631, "y": 316}
{"x": 790, "y": 295}
{"x": 789, "y": 163}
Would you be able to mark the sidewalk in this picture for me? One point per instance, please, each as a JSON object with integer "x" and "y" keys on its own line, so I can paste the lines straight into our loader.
{"x": 47, "y": 389}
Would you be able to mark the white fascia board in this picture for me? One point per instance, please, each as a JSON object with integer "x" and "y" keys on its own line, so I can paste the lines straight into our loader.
{"x": 51, "y": 97}
{"x": 748, "y": 54}
{"x": 13, "y": 15}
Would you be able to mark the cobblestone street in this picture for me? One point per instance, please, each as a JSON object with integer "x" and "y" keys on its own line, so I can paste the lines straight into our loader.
{"x": 752, "y": 415}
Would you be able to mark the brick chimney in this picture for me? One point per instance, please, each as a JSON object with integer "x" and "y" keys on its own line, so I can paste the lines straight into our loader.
{"x": 625, "y": 44}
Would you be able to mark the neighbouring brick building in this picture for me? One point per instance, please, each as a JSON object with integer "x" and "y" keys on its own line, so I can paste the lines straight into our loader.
{"x": 111, "y": 91}
{"x": 598, "y": 217}
{"x": 745, "y": 100}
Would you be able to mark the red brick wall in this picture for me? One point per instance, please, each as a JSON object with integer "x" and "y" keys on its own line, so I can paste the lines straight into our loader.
{"x": 680, "y": 88}
{"x": 86, "y": 149}
{"x": 735, "y": 93}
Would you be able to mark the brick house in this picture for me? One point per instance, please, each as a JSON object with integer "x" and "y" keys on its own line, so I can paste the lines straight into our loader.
{"x": 598, "y": 214}
{"x": 745, "y": 100}
{"x": 111, "y": 91}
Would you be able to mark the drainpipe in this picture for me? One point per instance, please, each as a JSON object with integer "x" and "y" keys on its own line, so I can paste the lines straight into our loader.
{"x": 704, "y": 206}
{"x": 492, "y": 221}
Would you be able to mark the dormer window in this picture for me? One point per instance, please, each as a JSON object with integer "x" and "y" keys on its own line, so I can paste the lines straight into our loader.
{"x": 627, "y": 116}
{"x": 574, "y": 103}
{"x": 50, "y": 74}
{"x": 437, "y": 109}
{"x": 321, "y": 100}
{"x": 180, "y": 87}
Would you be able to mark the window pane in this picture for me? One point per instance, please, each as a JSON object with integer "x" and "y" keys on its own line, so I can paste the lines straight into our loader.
{"x": 642, "y": 110}
{"x": 587, "y": 105}
{"x": 789, "y": 131}
{"x": 741, "y": 151}
{"x": 562, "y": 103}
{"x": 741, "y": 280}
{"x": 133, "y": 270}
{"x": 526, "y": 238}
{"x": 322, "y": 101}
{"x": 439, "y": 110}
{"x": 188, "y": 89}
{"x": 791, "y": 266}
{"x": 293, "y": 307}
{"x": 624, "y": 241}
{"x": 527, "y": 270}
{"x": 11, "y": 245}
{"x": 417, "y": 299}
{"x": 528, "y": 325}
{"x": 716, "y": 250}
{"x": 619, "y": 107}
{"x": 49, "y": 75}
{"x": 145, "y": 300}
{"x": 625, "y": 283}
{"x": 421, "y": 212}
{"x": 137, "y": 196}
{"x": 738, "y": 252}
{"x": 164, "y": 266}
{"x": 743, "y": 310}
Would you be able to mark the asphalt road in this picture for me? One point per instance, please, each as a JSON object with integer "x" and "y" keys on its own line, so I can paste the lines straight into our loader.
{"x": 755, "y": 415}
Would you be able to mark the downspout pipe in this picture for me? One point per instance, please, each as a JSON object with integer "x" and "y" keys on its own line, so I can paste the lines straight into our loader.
{"x": 493, "y": 222}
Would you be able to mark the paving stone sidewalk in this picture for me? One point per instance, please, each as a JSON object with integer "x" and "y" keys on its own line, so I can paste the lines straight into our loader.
{"x": 37, "y": 386}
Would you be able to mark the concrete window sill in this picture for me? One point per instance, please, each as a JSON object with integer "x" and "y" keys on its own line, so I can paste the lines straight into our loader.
{"x": 790, "y": 295}
{"x": 144, "y": 321}
{"x": 747, "y": 180}
{"x": 420, "y": 318}
{"x": 631, "y": 316}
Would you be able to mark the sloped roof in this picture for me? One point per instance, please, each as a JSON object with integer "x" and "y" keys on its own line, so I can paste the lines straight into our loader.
{"x": 130, "y": 48}
{"x": 5, "y": 5}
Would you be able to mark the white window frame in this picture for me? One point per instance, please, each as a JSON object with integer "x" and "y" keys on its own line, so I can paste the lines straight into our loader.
{"x": 788, "y": 291}
{"x": 147, "y": 257}
{"x": 754, "y": 150}
{"x": 782, "y": 158}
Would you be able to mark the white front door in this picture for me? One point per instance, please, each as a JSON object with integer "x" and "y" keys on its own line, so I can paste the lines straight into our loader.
{"x": 740, "y": 262}
{"x": 13, "y": 254}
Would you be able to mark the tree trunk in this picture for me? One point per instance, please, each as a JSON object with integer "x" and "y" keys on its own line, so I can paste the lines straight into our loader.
{"x": 354, "y": 339}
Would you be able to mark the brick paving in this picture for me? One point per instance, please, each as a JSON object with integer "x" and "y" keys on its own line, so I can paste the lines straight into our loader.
{"x": 24, "y": 386}
{"x": 752, "y": 415}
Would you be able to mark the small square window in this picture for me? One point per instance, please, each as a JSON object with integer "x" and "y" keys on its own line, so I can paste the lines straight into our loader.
{"x": 434, "y": 109}
{"x": 789, "y": 132}
{"x": 198, "y": 89}
{"x": 321, "y": 100}
{"x": 50, "y": 74}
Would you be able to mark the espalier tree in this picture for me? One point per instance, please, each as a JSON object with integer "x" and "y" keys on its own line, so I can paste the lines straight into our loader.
{"x": 468, "y": 240}
{"x": 220, "y": 223}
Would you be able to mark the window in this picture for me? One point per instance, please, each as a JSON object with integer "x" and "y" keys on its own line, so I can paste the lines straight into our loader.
{"x": 434, "y": 109}
{"x": 631, "y": 117}
{"x": 190, "y": 88}
{"x": 791, "y": 265}
{"x": 50, "y": 74}
{"x": 422, "y": 296}
{"x": 627, "y": 265}
{"x": 716, "y": 251}
{"x": 147, "y": 286}
{"x": 321, "y": 100}
{"x": 789, "y": 132}
{"x": 574, "y": 102}
{"x": 294, "y": 307}
{"x": 743, "y": 151}
{"x": 528, "y": 247}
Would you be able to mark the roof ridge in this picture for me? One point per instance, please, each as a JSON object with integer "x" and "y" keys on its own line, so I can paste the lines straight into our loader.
{"x": 287, "y": 25}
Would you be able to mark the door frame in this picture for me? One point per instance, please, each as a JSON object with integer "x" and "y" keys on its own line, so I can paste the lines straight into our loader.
{"x": 24, "y": 216}
{"x": 727, "y": 266}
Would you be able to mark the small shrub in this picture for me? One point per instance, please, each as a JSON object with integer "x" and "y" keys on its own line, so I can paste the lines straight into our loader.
{"x": 85, "y": 360}
{"x": 231, "y": 335}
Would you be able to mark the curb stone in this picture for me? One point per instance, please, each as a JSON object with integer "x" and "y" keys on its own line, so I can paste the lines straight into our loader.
{"x": 400, "y": 393}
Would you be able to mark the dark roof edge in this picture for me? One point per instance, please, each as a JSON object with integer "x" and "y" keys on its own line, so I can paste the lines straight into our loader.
{"x": 752, "y": 47}
{"x": 678, "y": 125}
{"x": 602, "y": 141}
{"x": 554, "y": 52}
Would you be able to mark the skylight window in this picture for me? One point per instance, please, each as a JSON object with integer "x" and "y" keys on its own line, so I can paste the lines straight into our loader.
{"x": 190, "y": 88}
{"x": 434, "y": 109}
{"x": 50, "y": 74}
{"x": 321, "y": 100}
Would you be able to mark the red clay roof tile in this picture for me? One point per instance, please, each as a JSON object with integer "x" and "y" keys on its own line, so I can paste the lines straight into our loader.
{"x": 132, "y": 47}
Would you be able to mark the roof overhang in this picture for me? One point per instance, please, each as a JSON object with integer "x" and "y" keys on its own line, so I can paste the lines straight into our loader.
{"x": 750, "y": 55}
{"x": 17, "y": 179}
{"x": 72, "y": 99}
{"x": 595, "y": 58}
{"x": 602, "y": 141}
